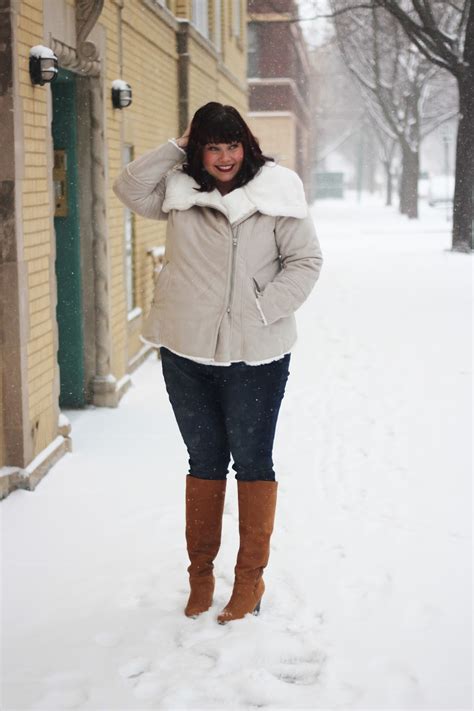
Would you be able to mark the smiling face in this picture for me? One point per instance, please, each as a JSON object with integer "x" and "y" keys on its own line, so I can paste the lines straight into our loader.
{"x": 223, "y": 161}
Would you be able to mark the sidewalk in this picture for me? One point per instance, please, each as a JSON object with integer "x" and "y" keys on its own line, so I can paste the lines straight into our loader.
{"x": 368, "y": 586}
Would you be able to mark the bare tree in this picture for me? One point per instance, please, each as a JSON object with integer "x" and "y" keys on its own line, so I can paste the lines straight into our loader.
{"x": 444, "y": 33}
{"x": 394, "y": 77}
{"x": 387, "y": 149}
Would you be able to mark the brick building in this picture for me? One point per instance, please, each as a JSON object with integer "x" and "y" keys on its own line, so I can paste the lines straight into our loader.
{"x": 278, "y": 77}
{"x": 76, "y": 268}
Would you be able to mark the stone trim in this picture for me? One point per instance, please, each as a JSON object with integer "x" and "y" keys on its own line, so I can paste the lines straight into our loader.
{"x": 69, "y": 58}
{"x": 87, "y": 14}
{"x": 12, "y": 478}
{"x": 163, "y": 13}
{"x": 143, "y": 354}
{"x": 203, "y": 41}
{"x": 108, "y": 391}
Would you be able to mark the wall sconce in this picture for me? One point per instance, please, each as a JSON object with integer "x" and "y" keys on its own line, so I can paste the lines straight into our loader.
{"x": 43, "y": 65}
{"x": 121, "y": 94}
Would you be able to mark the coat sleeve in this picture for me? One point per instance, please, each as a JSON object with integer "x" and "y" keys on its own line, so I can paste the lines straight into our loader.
{"x": 301, "y": 261}
{"x": 141, "y": 185}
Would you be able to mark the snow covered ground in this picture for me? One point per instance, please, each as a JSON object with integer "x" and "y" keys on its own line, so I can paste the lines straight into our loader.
{"x": 368, "y": 587}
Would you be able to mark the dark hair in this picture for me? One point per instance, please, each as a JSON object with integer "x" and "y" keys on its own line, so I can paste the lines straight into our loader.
{"x": 217, "y": 123}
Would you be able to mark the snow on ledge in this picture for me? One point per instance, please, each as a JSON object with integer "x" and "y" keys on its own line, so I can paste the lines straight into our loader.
{"x": 54, "y": 446}
{"x": 63, "y": 421}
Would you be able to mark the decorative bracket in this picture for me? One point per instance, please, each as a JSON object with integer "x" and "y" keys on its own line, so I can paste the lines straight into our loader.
{"x": 87, "y": 14}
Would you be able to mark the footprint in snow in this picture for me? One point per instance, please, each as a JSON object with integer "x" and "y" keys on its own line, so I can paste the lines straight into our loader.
{"x": 134, "y": 668}
{"x": 149, "y": 686}
{"x": 300, "y": 670}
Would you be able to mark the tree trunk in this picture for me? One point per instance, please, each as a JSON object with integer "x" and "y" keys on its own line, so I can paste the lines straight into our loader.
{"x": 409, "y": 182}
{"x": 388, "y": 184}
{"x": 402, "y": 190}
{"x": 463, "y": 213}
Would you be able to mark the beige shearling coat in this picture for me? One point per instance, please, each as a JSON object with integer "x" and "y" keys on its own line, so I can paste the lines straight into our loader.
{"x": 236, "y": 266}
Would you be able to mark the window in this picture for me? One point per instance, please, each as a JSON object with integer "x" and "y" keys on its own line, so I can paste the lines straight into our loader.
{"x": 200, "y": 16}
{"x": 218, "y": 24}
{"x": 127, "y": 157}
{"x": 236, "y": 18}
{"x": 252, "y": 49}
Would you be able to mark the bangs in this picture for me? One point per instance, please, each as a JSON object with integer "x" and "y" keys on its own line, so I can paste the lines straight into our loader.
{"x": 217, "y": 123}
{"x": 220, "y": 129}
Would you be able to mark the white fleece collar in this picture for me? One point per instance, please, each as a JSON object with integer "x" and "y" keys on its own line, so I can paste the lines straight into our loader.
{"x": 275, "y": 191}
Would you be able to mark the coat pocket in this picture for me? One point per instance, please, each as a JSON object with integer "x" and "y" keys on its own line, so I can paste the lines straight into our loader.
{"x": 265, "y": 275}
{"x": 252, "y": 310}
{"x": 162, "y": 285}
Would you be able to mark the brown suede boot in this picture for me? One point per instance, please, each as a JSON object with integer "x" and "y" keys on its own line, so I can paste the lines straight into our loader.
{"x": 257, "y": 504}
{"x": 204, "y": 509}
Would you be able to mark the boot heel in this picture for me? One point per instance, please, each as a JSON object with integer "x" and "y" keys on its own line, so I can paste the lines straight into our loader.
{"x": 257, "y": 608}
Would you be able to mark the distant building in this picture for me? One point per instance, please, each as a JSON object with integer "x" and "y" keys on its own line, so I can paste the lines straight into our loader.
{"x": 76, "y": 267}
{"x": 278, "y": 76}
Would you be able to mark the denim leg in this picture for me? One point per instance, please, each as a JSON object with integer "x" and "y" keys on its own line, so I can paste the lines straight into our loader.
{"x": 194, "y": 398}
{"x": 251, "y": 396}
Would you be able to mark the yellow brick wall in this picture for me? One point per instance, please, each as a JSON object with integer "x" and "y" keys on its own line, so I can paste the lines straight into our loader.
{"x": 276, "y": 135}
{"x": 181, "y": 8}
{"x": 38, "y": 234}
{"x": 150, "y": 66}
{"x": 117, "y": 316}
{"x": 234, "y": 57}
{"x": 207, "y": 81}
{"x": 202, "y": 76}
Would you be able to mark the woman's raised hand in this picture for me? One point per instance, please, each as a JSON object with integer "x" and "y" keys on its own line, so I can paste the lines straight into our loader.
{"x": 183, "y": 141}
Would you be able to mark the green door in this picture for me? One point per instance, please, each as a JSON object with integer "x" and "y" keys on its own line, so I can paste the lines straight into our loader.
{"x": 69, "y": 311}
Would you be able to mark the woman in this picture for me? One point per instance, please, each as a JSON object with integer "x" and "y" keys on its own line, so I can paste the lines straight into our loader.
{"x": 241, "y": 257}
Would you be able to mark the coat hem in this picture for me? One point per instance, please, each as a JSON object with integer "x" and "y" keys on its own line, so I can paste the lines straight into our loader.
{"x": 210, "y": 361}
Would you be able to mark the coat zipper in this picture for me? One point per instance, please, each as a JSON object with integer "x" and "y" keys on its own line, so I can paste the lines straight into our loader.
{"x": 228, "y": 301}
{"x": 232, "y": 272}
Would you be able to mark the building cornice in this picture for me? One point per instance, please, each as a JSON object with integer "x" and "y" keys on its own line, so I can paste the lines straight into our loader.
{"x": 282, "y": 81}
{"x": 270, "y": 16}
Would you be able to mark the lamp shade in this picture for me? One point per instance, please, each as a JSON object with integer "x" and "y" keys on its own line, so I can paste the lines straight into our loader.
{"x": 43, "y": 65}
{"x": 121, "y": 94}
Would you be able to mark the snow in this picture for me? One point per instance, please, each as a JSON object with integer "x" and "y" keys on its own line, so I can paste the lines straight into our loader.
{"x": 368, "y": 586}
{"x": 120, "y": 84}
{"x": 45, "y": 454}
{"x": 63, "y": 420}
{"x": 40, "y": 50}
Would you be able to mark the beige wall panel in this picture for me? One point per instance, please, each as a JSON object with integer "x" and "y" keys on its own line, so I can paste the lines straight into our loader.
{"x": 276, "y": 135}
{"x": 229, "y": 93}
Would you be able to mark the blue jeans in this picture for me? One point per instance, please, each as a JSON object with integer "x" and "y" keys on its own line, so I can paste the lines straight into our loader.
{"x": 226, "y": 410}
